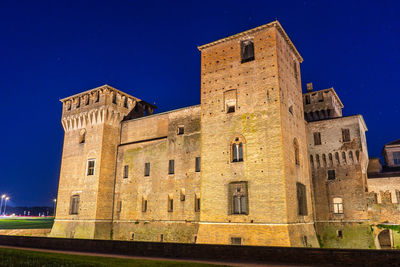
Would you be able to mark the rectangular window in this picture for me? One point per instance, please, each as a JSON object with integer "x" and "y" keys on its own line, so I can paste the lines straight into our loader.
{"x": 197, "y": 167}
{"x": 247, "y": 51}
{"x": 196, "y": 203}
{"x": 331, "y": 175}
{"x": 338, "y": 205}
{"x": 396, "y": 158}
{"x": 144, "y": 204}
{"x": 170, "y": 204}
{"x": 147, "y": 169}
{"x": 114, "y": 98}
{"x": 125, "y": 102}
{"x": 236, "y": 241}
{"x": 301, "y": 199}
{"x": 119, "y": 206}
{"x": 238, "y": 198}
{"x": 346, "y": 135}
{"x": 74, "y": 208}
{"x": 126, "y": 171}
{"x": 180, "y": 130}
{"x": 317, "y": 139}
{"x": 171, "y": 166}
{"x": 230, "y": 108}
{"x": 308, "y": 100}
{"x": 90, "y": 167}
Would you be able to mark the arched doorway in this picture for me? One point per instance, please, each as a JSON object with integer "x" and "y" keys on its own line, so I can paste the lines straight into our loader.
{"x": 384, "y": 239}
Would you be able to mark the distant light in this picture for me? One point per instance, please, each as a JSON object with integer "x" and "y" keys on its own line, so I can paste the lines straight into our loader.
{"x": 7, "y": 198}
{"x": 3, "y": 196}
{"x": 55, "y": 200}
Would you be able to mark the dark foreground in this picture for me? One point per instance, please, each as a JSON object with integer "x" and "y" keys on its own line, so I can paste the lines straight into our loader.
{"x": 214, "y": 253}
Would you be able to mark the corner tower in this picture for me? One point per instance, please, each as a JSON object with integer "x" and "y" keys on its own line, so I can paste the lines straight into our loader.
{"x": 91, "y": 121}
{"x": 255, "y": 185}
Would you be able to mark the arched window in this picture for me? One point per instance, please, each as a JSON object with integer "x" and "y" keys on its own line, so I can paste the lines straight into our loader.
{"x": 237, "y": 150}
{"x": 296, "y": 152}
{"x": 238, "y": 198}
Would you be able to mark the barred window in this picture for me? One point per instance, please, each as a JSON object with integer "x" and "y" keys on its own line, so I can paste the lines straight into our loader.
{"x": 90, "y": 166}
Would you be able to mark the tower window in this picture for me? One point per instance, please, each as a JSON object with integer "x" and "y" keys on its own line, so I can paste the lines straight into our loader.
{"x": 238, "y": 198}
{"x": 301, "y": 199}
{"x": 90, "y": 166}
{"x": 97, "y": 97}
{"x": 339, "y": 233}
{"x": 296, "y": 151}
{"x": 182, "y": 196}
{"x": 230, "y": 108}
{"x": 125, "y": 102}
{"x": 78, "y": 102}
{"x": 196, "y": 203}
{"x": 247, "y": 51}
{"x": 170, "y": 203}
{"x": 346, "y": 135}
{"x": 147, "y": 169}
{"x": 180, "y": 130}
{"x": 338, "y": 205}
{"x": 126, "y": 171}
{"x": 331, "y": 175}
{"x": 237, "y": 150}
{"x": 114, "y": 98}
{"x": 171, "y": 166}
{"x": 74, "y": 208}
{"x": 197, "y": 167}
{"x": 119, "y": 206}
{"x": 144, "y": 204}
{"x": 317, "y": 139}
{"x": 82, "y": 136}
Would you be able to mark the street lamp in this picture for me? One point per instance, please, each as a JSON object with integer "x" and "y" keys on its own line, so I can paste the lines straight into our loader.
{"x": 1, "y": 205}
{"x": 5, "y": 205}
{"x": 54, "y": 209}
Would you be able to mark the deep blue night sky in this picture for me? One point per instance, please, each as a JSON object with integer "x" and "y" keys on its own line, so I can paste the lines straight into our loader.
{"x": 53, "y": 49}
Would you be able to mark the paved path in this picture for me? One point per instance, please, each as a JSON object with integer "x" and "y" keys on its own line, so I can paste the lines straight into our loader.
{"x": 152, "y": 258}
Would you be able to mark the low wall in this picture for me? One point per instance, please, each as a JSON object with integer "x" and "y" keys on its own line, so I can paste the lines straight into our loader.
{"x": 244, "y": 254}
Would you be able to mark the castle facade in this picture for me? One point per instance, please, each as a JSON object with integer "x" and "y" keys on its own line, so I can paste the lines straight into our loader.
{"x": 256, "y": 163}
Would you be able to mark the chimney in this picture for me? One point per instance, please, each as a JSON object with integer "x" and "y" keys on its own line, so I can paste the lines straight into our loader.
{"x": 309, "y": 87}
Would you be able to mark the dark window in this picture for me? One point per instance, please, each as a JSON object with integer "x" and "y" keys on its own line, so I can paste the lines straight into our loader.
{"x": 78, "y": 102}
{"x": 340, "y": 233}
{"x": 125, "y": 102}
{"x": 238, "y": 198}
{"x": 247, "y": 51}
{"x": 144, "y": 205}
{"x": 197, "y": 203}
{"x": 308, "y": 100}
{"x": 301, "y": 199}
{"x": 331, "y": 175}
{"x": 161, "y": 238}
{"x": 317, "y": 139}
{"x": 236, "y": 241}
{"x": 197, "y": 167}
{"x": 97, "y": 97}
{"x": 74, "y": 204}
{"x": 346, "y": 135}
{"x": 90, "y": 168}
{"x": 147, "y": 169}
{"x": 171, "y": 166}
{"x": 170, "y": 204}
{"x": 126, "y": 171}
{"x": 230, "y": 109}
{"x": 114, "y": 98}
{"x": 87, "y": 100}
{"x": 181, "y": 130}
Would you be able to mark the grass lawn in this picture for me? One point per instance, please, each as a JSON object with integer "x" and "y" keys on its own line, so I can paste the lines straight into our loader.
{"x": 16, "y": 257}
{"x": 26, "y": 223}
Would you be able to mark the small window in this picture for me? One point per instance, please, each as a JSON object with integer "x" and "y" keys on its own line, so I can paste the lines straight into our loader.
{"x": 296, "y": 151}
{"x": 237, "y": 150}
{"x": 339, "y": 233}
{"x": 82, "y": 136}
{"x": 196, "y": 203}
{"x": 74, "y": 204}
{"x": 144, "y": 204}
{"x": 114, "y": 98}
{"x": 308, "y": 100}
{"x": 346, "y": 135}
{"x": 230, "y": 108}
{"x": 132, "y": 236}
{"x": 238, "y": 198}
{"x": 78, "y": 102}
{"x": 161, "y": 238}
{"x": 119, "y": 206}
{"x": 317, "y": 139}
{"x": 197, "y": 167}
{"x": 338, "y": 205}
{"x": 171, "y": 166}
{"x": 125, "y": 102}
{"x": 170, "y": 204}
{"x": 396, "y": 158}
{"x": 147, "y": 169}
{"x": 126, "y": 171}
{"x": 97, "y": 97}
{"x": 236, "y": 241}
{"x": 90, "y": 167}
{"x": 301, "y": 199}
{"x": 180, "y": 130}
{"x": 247, "y": 51}
{"x": 331, "y": 175}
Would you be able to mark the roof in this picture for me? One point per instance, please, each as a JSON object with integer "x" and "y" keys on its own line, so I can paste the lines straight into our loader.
{"x": 328, "y": 89}
{"x": 396, "y": 142}
{"x": 268, "y": 25}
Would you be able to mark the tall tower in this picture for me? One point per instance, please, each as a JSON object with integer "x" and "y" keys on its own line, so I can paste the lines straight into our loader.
{"x": 255, "y": 184}
{"x": 91, "y": 121}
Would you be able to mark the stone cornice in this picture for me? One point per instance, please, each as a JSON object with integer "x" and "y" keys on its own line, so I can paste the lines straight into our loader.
{"x": 275, "y": 24}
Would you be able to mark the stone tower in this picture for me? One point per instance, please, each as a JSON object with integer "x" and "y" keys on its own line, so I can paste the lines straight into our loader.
{"x": 255, "y": 184}
{"x": 91, "y": 121}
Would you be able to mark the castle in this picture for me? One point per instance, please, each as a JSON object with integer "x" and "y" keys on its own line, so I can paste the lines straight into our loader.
{"x": 256, "y": 163}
